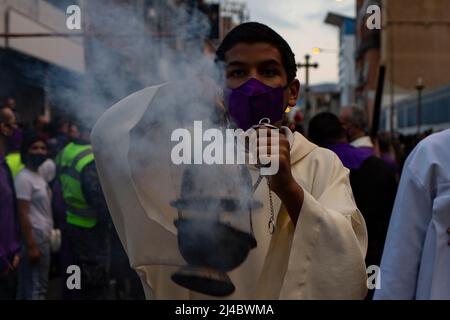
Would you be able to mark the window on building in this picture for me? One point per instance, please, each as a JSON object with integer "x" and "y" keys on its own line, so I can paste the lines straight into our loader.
{"x": 411, "y": 115}
{"x": 401, "y": 117}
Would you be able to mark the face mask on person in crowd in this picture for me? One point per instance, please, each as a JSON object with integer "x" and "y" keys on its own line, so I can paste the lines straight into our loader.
{"x": 35, "y": 160}
{"x": 253, "y": 101}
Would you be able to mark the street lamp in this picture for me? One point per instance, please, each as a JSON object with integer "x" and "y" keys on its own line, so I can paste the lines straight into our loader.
{"x": 419, "y": 87}
{"x": 307, "y": 65}
{"x": 318, "y": 50}
{"x": 347, "y": 80}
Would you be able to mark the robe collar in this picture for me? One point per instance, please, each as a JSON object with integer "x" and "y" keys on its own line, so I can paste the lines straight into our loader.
{"x": 301, "y": 147}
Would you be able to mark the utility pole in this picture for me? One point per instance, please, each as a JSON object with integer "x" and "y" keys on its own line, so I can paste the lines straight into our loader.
{"x": 419, "y": 88}
{"x": 307, "y": 65}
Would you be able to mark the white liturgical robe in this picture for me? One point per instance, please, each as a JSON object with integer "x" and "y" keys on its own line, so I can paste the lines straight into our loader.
{"x": 322, "y": 257}
{"x": 416, "y": 257}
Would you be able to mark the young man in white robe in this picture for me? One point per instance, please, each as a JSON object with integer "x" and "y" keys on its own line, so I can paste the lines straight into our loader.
{"x": 416, "y": 256}
{"x": 318, "y": 247}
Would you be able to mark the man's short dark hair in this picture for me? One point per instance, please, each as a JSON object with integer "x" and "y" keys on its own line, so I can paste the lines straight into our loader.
{"x": 325, "y": 128}
{"x": 254, "y": 32}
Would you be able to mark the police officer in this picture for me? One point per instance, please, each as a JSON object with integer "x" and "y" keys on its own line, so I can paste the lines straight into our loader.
{"x": 86, "y": 241}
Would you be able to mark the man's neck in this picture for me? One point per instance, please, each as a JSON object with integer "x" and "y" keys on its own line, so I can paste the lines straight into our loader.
{"x": 342, "y": 140}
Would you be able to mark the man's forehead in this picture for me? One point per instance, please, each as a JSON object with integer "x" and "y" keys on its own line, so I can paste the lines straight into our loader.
{"x": 254, "y": 53}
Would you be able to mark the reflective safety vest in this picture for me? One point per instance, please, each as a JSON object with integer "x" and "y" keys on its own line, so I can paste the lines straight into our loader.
{"x": 71, "y": 162}
{"x": 14, "y": 162}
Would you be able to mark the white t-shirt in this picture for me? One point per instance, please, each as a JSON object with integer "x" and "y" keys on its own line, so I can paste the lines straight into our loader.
{"x": 32, "y": 187}
{"x": 48, "y": 170}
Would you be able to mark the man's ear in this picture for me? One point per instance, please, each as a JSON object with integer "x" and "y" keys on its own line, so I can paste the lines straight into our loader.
{"x": 294, "y": 89}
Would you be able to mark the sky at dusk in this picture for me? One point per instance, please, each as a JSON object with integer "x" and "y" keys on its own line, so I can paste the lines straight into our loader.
{"x": 301, "y": 23}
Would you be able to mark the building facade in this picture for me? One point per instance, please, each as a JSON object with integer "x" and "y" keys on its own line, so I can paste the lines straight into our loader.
{"x": 139, "y": 43}
{"x": 37, "y": 71}
{"x": 434, "y": 112}
{"x": 122, "y": 46}
{"x": 347, "y": 81}
{"x": 415, "y": 44}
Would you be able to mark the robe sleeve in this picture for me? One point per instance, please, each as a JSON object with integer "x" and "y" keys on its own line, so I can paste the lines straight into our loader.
{"x": 402, "y": 253}
{"x": 330, "y": 240}
{"x": 140, "y": 235}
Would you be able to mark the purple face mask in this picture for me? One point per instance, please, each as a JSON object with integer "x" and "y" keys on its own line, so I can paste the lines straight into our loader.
{"x": 253, "y": 101}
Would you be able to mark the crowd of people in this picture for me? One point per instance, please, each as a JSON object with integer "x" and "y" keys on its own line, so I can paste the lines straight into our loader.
{"x": 403, "y": 220}
{"x": 53, "y": 215}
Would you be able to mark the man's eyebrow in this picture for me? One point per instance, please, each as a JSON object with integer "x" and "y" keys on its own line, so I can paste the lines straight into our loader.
{"x": 236, "y": 64}
{"x": 271, "y": 61}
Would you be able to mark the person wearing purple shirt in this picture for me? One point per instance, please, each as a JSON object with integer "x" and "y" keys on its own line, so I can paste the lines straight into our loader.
{"x": 9, "y": 227}
{"x": 373, "y": 182}
{"x": 351, "y": 157}
{"x": 326, "y": 131}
